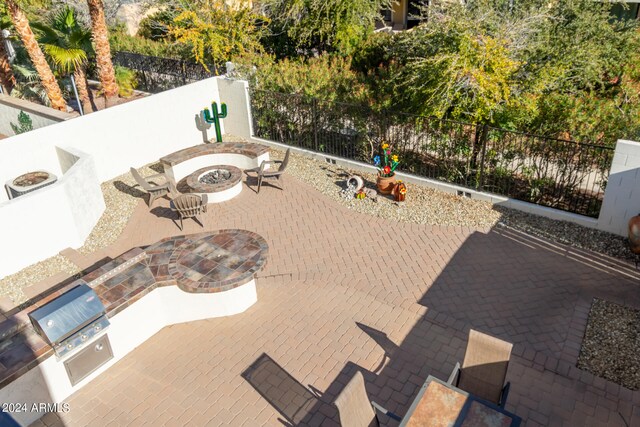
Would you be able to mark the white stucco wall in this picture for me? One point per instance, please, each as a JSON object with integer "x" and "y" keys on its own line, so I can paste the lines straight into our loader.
{"x": 235, "y": 94}
{"x": 131, "y": 134}
{"x": 39, "y": 224}
{"x": 622, "y": 195}
{"x": 40, "y": 115}
{"x": 42, "y": 223}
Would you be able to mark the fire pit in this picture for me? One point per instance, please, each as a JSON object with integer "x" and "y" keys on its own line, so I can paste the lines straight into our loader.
{"x": 29, "y": 182}
{"x": 219, "y": 182}
{"x": 216, "y": 176}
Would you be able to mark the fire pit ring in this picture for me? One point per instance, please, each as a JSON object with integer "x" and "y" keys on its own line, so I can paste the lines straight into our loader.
{"x": 218, "y": 182}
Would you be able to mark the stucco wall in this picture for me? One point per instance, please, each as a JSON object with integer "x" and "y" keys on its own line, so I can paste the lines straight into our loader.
{"x": 126, "y": 135}
{"x": 40, "y": 115}
{"x": 42, "y": 223}
{"x": 622, "y": 195}
{"x": 39, "y": 224}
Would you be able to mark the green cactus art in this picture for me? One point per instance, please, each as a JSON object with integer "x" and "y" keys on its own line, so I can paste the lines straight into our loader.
{"x": 207, "y": 116}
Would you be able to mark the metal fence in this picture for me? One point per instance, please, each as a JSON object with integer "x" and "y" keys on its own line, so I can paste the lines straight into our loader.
{"x": 158, "y": 74}
{"x": 557, "y": 173}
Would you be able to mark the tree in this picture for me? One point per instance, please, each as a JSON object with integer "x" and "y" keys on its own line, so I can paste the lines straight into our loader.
{"x": 563, "y": 68}
{"x": 22, "y": 27}
{"x": 461, "y": 64}
{"x": 7, "y": 77}
{"x": 216, "y": 33}
{"x": 324, "y": 25}
{"x": 106, "y": 73}
{"x": 67, "y": 44}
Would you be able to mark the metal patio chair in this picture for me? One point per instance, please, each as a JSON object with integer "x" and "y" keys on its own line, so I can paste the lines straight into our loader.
{"x": 354, "y": 407}
{"x": 484, "y": 368}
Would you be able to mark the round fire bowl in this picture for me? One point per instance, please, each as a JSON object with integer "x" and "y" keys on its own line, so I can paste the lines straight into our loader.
{"x": 218, "y": 191}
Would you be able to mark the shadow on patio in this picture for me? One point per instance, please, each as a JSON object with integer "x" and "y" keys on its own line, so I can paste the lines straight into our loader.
{"x": 539, "y": 302}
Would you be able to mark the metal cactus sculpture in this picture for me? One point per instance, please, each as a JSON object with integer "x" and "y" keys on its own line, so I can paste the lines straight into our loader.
{"x": 215, "y": 120}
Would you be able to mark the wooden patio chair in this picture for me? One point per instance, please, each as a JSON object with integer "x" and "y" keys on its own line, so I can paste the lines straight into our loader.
{"x": 484, "y": 368}
{"x": 354, "y": 407}
{"x": 189, "y": 206}
{"x": 155, "y": 190}
{"x": 262, "y": 173}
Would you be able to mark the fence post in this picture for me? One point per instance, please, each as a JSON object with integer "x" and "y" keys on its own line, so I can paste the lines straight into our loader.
{"x": 314, "y": 115}
{"x": 483, "y": 149}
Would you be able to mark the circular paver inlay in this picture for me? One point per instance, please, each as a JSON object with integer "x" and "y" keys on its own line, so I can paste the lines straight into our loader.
{"x": 218, "y": 261}
{"x": 197, "y": 186}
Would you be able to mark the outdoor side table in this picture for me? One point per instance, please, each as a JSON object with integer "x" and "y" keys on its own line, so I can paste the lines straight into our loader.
{"x": 441, "y": 404}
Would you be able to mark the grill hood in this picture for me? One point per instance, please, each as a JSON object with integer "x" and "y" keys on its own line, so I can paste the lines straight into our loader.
{"x": 68, "y": 313}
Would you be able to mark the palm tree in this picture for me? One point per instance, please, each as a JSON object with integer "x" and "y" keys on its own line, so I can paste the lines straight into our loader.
{"x": 21, "y": 24}
{"x": 67, "y": 44}
{"x": 7, "y": 78}
{"x": 106, "y": 73}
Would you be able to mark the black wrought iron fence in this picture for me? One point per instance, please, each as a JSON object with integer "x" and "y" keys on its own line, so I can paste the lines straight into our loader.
{"x": 557, "y": 173}
{"x": 158, "y": 74}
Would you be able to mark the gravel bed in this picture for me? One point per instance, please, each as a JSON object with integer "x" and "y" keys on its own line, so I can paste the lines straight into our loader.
{"x": 12, "y": 286}
{"x": 121, "y": 199}
{"x": 611, "y": 344}
{"x": 423, "y": 205}
{"x": 429, "y": 206}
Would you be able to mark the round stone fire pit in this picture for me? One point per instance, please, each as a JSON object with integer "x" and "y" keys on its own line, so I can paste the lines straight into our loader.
{"x": 219, "y": 182}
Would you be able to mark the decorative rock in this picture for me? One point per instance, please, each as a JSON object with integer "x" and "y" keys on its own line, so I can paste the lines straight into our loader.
{"x": 356, "y": 181}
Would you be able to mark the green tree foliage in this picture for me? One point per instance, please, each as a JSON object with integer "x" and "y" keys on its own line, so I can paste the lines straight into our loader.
{"x": 127, "y": 81}
{"x": 322, "y": 25}
{"x": 24, "y": 123}
{"x": 562, "y": 68}
{"x": 156, "y": 26}
{"x": 120, "y": 41}
{"x": 64, "y": 40}
{"x": 214, "y": 32}
{"x": 325, "y": 77}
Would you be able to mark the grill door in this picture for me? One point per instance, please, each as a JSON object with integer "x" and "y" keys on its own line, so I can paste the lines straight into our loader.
{"x": 89, "y": 359}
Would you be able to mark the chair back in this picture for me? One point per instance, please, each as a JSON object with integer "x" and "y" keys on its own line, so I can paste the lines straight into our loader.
{"x": 285, "y": 161}
{"x": 485, "y": 366}
{"x": 353, "y": 404}
{"x": 189, "y": 205}
{"x": 140, "y": 180}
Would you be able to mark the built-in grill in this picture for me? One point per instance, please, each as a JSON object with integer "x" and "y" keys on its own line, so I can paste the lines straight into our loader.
{"x": 73, "y": 323}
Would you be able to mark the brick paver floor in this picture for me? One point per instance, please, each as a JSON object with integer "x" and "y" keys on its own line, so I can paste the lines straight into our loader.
{"x": 342, "y": 292}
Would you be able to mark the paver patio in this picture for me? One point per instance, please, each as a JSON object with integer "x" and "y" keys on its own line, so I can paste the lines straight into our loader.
{"x": 344, "y": 291}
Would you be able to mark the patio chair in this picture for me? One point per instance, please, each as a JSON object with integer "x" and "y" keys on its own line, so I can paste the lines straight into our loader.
{"x": 354, "y": 407}
{"x": 262, "y": 173}
{"x": 155, "y": 190}
{"x": 189, "y": 206}
{"x": 484, "y": 368}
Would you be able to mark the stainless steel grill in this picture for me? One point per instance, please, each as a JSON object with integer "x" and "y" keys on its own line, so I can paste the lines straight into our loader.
{"x": 73, "y": 323}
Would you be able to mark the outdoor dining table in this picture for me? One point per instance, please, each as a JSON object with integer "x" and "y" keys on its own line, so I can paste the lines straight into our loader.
{"x": 440, "y": 404}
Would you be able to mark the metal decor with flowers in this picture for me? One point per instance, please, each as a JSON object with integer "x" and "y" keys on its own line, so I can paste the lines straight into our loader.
{"x": 386, "y": 162}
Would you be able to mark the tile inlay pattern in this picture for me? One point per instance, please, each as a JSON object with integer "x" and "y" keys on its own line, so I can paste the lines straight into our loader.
{"x": 196, "y": 263}
{"x": 195, "y": 186}
{"x": 218, "y": 262}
